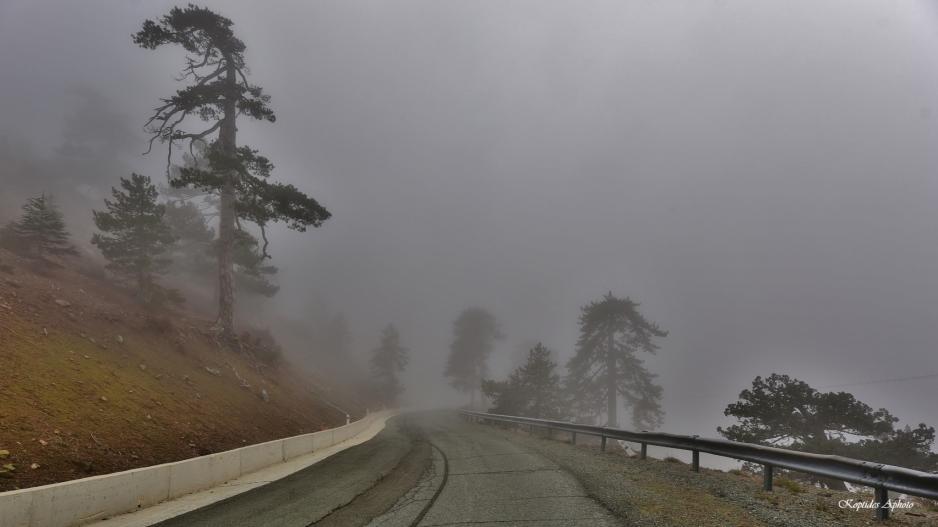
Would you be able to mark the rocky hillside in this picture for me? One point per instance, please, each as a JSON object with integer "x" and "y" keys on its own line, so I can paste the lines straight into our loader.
{"x": 93, "y": 383}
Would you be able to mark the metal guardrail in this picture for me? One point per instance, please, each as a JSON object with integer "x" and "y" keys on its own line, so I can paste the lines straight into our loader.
{"x": 883, "y": 478}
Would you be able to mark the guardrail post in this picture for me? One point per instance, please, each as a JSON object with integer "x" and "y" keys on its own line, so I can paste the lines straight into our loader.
{"x": 644, "y": 453}
{"x": 695, "y": 464}
{"x": 767, "y": 477}
{"x": 882, "y": 499}
{"x": 603, "y": 446}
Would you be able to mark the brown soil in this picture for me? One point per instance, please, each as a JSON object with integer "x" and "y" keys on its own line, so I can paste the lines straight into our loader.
{"x": 91, "y": 383}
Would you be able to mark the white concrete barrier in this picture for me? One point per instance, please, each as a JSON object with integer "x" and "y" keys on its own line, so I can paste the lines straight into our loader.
{"x": 81, "y": 501}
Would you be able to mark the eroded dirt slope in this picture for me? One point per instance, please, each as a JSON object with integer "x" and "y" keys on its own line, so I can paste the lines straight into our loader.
{"x": 92, "y": 383}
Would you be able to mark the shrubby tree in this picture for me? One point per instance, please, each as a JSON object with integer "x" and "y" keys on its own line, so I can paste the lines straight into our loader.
{"x": 782, "y": 411}
{"x": 532, "y": 390}
{"x": 606, "y": 365}
{"x": 474, "y": 336}
{"x": 387, "y": 361}
{"x": 217, "y": 93}
{"x": 40, "y": 232}
{"x": 134, "y": 239}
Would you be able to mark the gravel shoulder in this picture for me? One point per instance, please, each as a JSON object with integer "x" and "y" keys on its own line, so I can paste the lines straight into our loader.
{"x": 661, "y": 493}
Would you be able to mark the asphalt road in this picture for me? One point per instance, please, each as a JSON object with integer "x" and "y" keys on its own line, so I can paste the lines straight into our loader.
{"x": 492, "y": 481}
{"x": 428, "y": 469}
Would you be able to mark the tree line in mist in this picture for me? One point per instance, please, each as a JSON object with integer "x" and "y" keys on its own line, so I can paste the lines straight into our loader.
{"x": 607, "y": 368}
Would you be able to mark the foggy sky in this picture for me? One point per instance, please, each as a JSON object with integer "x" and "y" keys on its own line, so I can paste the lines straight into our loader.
{"x": 761, "y": 176}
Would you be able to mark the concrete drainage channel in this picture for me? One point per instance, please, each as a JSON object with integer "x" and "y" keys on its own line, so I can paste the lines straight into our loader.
{"x": 82, "y": 501}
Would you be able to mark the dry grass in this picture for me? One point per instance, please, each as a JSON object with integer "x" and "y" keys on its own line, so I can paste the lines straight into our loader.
{"x": 91, "y": 383}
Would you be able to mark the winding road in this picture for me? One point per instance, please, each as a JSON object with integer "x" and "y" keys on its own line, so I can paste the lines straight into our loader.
{"x": 425, "y": 469}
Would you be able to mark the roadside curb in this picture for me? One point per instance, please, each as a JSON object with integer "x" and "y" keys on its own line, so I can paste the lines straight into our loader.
{"x": 86, "y": 500}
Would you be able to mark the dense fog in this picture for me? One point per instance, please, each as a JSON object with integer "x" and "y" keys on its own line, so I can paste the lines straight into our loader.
{"x": 760, "y": 177}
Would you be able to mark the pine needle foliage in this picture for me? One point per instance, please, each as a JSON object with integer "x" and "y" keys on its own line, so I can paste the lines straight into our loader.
{"x": 607, "y": 366}
{"x": 134, "y": 238}
{"x": 40, "y": 232}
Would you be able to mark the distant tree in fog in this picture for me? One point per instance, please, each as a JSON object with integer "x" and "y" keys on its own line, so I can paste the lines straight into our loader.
{"x": 218, "y": 92}
{"x": 606, "y": 365}
{"x": 532, "y": 390}
{"x": 387, "y": 361}
{"x": 134, "y": 239}
{"x": 782, "y": 411}
{"x": 40, "y": 232}
{"x": 474, "y": 336}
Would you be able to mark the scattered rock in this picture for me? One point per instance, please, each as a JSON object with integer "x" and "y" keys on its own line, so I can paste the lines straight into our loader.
{"x": 4, "y": 454}
{"x": 103, "y": 399}
{"x": 86, "y": 356}
{"x": 143, "y": 367}
{"x": 214, "y": 371}
{"x": 56, "y": 431}
{"x": 43, "y": 442}
{"x": 34, "y": 466}
{"x": 61, "y": 302}
{"x": 265, "y": 396}
{"x": 119, "y": 339}
{"x": 45, "y": 332}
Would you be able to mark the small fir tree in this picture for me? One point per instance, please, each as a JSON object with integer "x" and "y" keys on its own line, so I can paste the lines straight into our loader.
{"x": 134, "y": 238}
{"x": 532, "y": 390}
{"x": 40, "y": 232}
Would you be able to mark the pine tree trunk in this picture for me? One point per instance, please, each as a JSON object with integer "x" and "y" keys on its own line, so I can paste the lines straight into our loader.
{"x": 227, "y": 138}
{"x": 612, "y": 398}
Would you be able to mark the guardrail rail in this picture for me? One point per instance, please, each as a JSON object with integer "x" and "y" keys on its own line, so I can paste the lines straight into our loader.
{"x": 882, "y": 478}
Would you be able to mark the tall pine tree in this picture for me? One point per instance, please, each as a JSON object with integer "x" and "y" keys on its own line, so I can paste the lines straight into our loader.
{"x": 40, "y": 232}
{"x": 387, "y": 361}
{"x": 474, "y": 336}
{"x": 606, "y": 365}
{"x": 218, "y": 93}
{"x": 134, "y": 238}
